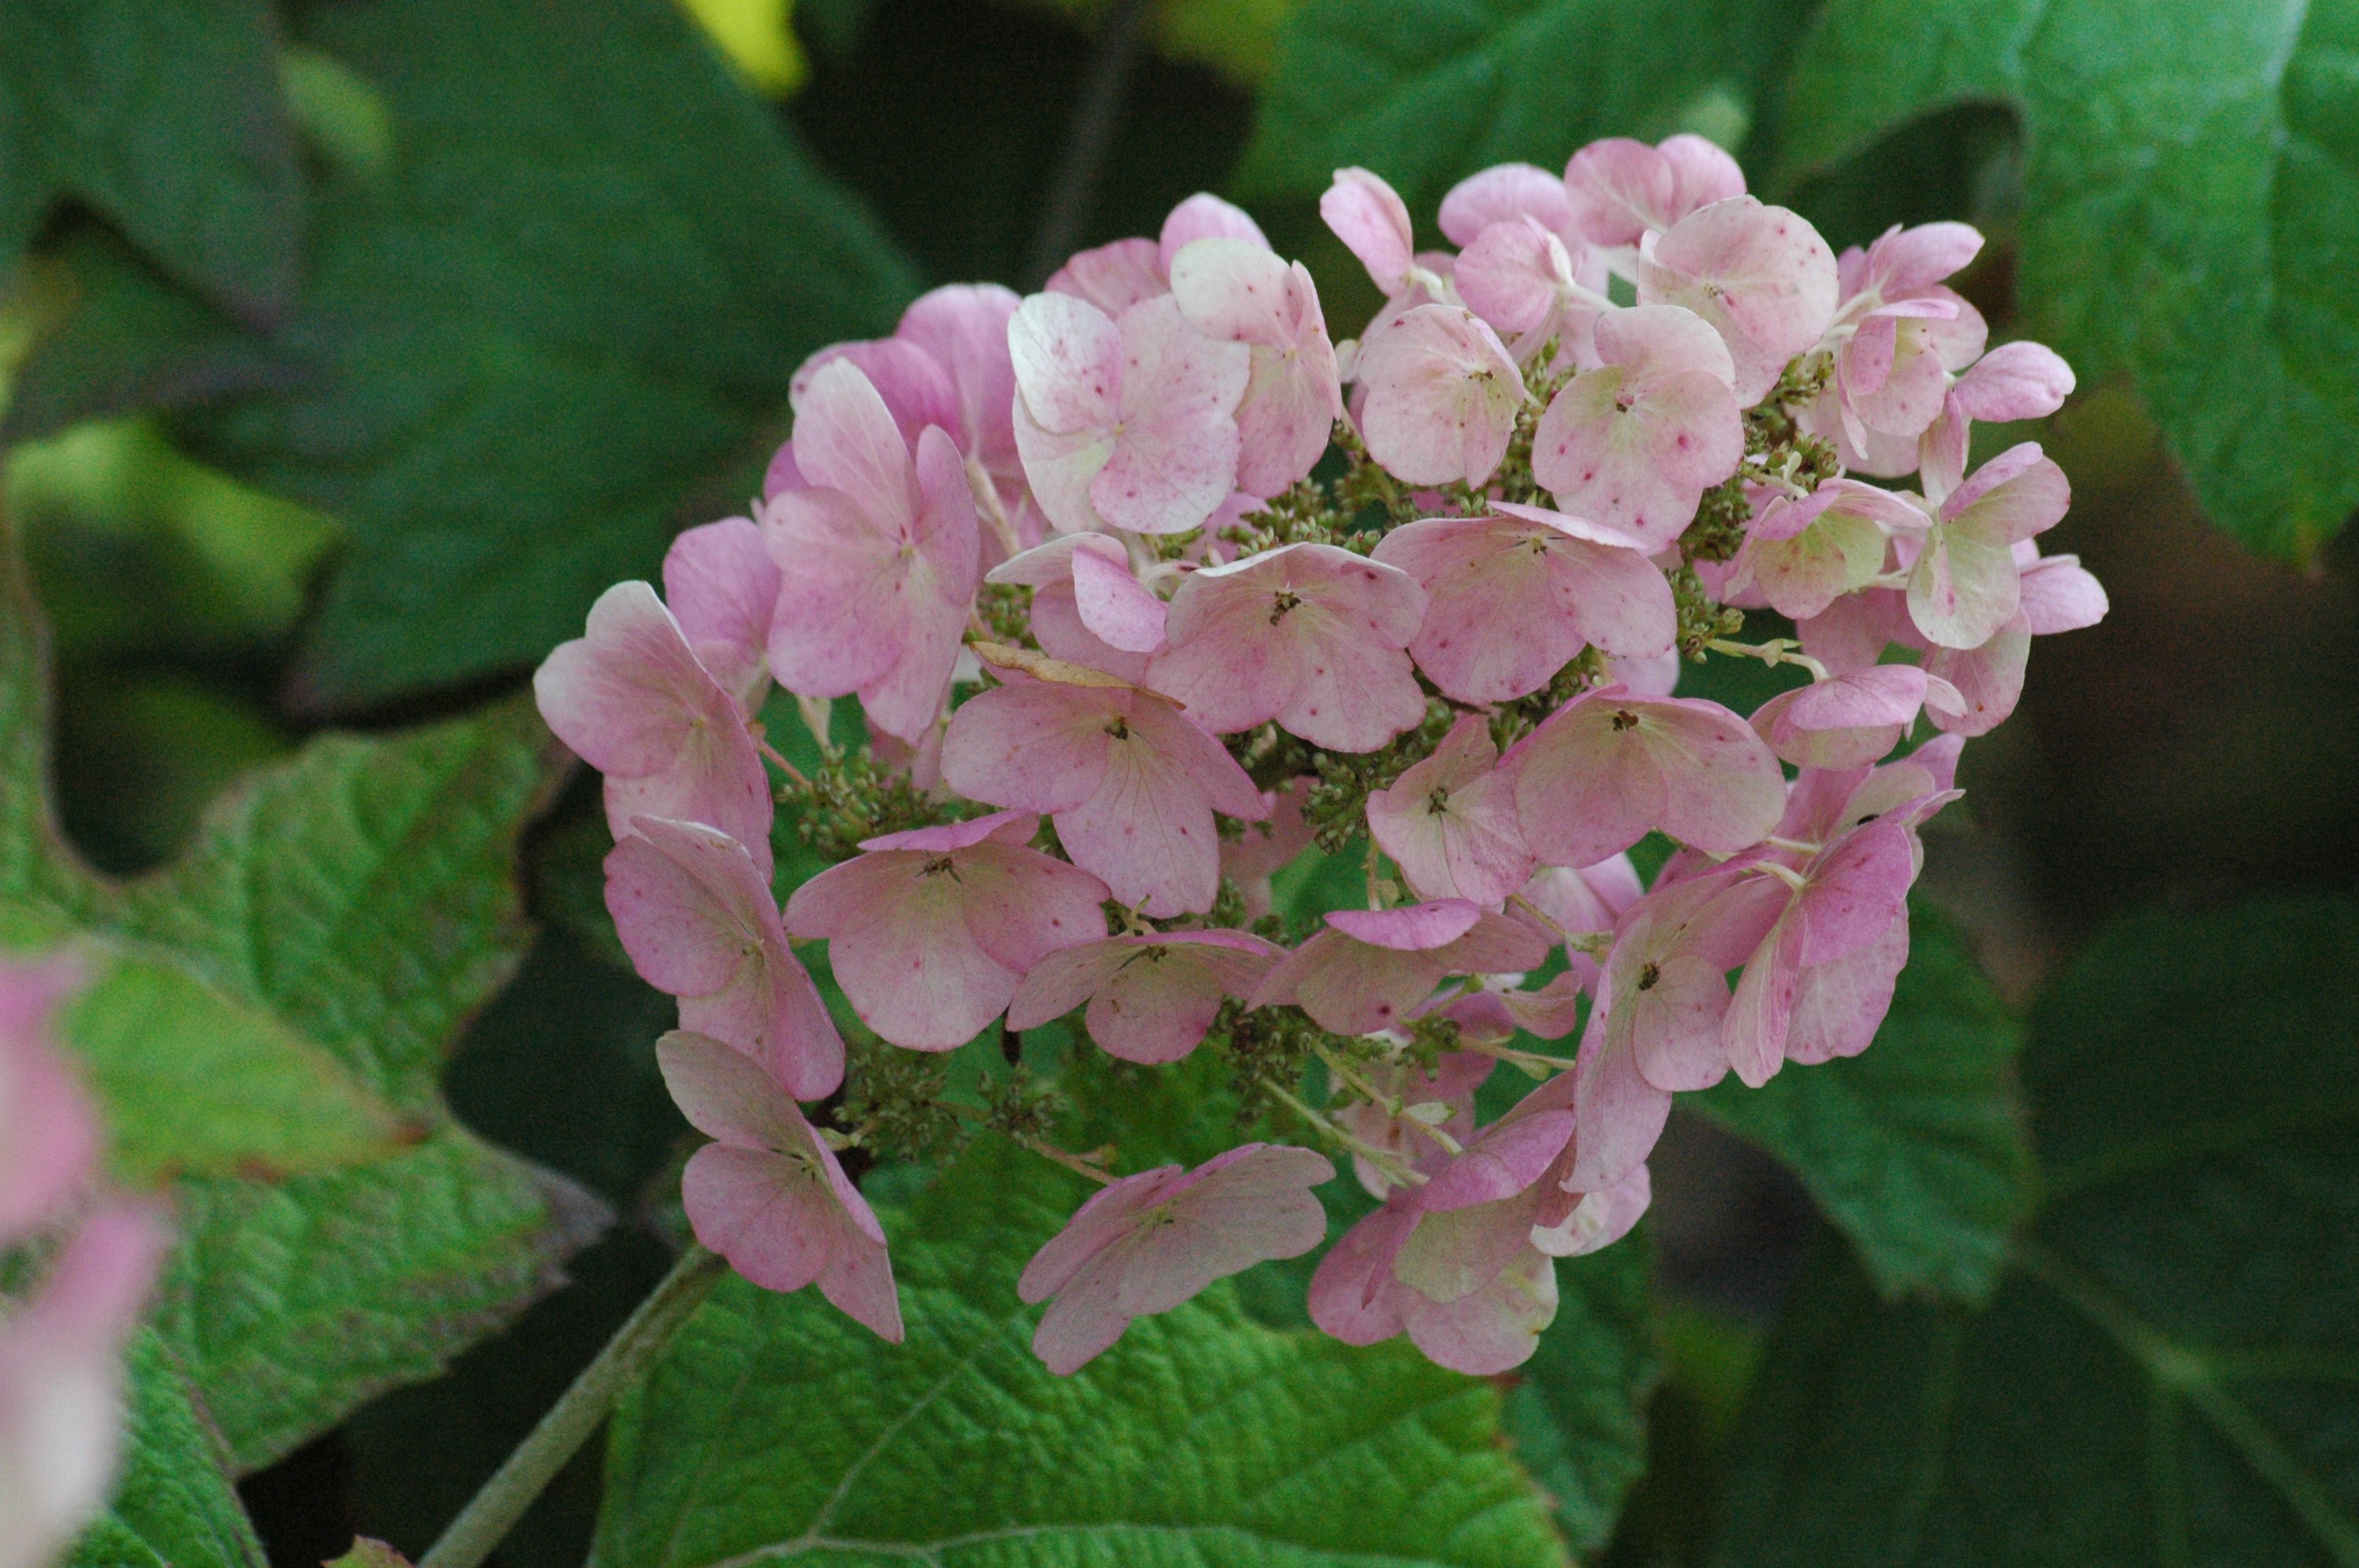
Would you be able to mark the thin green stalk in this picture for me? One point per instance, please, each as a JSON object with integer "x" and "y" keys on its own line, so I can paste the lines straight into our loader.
{"x": 578, "y": 1413}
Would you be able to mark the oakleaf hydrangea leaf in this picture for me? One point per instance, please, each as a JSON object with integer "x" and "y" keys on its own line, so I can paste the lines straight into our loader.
{"x": 1914, "y": 1148}
{"x": 167, "y": 119}
{"x": 2164, "y": 1375}
{"x": 2190, "y": 185}
{"x": 1202, "y": 1438}
{"x": 307, "y": 962}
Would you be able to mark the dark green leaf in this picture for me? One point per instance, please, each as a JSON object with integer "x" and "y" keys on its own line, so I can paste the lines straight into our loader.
{"x": 776, "y": 1427}
{"x": 1427, "y": 92}
{"x": 174, "y": 1506}
{"x": 1914, "y": 1148}
{"x": 1577, "y": 1413}
{"x": 2191, "y": 195}
{"x": 557, "y": 330}
{"x": 169, "y": 119}
{"x": 2169, "y": 1371}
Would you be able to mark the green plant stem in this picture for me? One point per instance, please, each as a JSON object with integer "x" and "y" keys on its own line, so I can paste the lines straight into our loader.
{"x": 577, "y": 1412}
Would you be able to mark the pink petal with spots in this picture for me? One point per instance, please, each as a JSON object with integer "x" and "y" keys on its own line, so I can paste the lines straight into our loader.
{"x": 1150, "y": 998}
{"x": 1514, "y": 273}
{"x": 1846, "y": 722}
{"x": 1309, "y": 634}
{"x": 1607, "y": 767}
{"x": 1239, "y": 292}
{"x": 1761, "y": 275}
{"x": 1442, "y": 393}
{"x": 1619, "y": 189}
{"x": 1449, "y": 823}
{"x": 722, "y": 588}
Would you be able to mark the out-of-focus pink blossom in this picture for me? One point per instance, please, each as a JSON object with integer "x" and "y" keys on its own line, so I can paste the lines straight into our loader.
{"x": 632, "y": 701}
{"x": 1237, "y": 291}
{"x": 1761, "y": 275}
{"x": 61, "y": 1386}
{"x": 1448, "y": 821}
{"x": 699, "y": 924}
{"x": 1619, "y": 189}
{"x": 1132, "y": 783}
{"x": 1517, "y": 593}
{"x": 1634, "y": 443}
{"x": 1608, "y": 766}
{"x": 930, "y": 932}
{"x": 1503, "y": 194}
{"x": 878, "y": 558}
{"x": 1442, "y": 393}
{"x": 48, "y": 1131}
{"x": 767, "y": 1194}
{"x": 1151, "y": 1241}
{"x": 1309, "y": 634}
{"x": 1369, "y": 969}
{"x": 1151, "y": 997}
{"x": 1128, "y": 421}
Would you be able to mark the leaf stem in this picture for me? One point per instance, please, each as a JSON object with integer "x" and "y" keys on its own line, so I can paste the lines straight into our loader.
{"x": 577, "y": 1414}
{"x": 1089, "y": 138}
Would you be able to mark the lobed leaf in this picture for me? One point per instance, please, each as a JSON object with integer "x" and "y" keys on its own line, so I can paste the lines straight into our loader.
{"x": 2190, "y": 187}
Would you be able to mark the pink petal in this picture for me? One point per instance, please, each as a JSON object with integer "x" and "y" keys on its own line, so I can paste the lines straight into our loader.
{"x": 1308, "y": 635}
{"x": 2014, "y": 495}
{"x": 1982, "y": 683}
{"x": 1963, "y": 589}
{"x": 1036, "y": 745}
{"x": 1348, "y": 987}
{"x": 1761, "y": 275}
{"x": 1412, "y": 928}
{"x": 1496, "y": 946}
{"x": 1455, "y": 1253}
{"x": 846, "y": 439}
{"x": 1856, "y": 889}
{"x": 1443, "y": 392}
{"x": 1839, "y": 1006}
{"x": 963, "y": 327}
{"x": 1022, "y": 906}
{"x": 1354, "y": 1296}
{"x": 1619, "y": 189}
{"x": 1620, "y": 1114}
{"x": 1174, "y": 458}
{"x": 1702, "y": 173}
{"x": 1104, "y": 1219}
{"x": 626, "y": 695}
{"x": 1151, "y": 1000}
{"x": 1067, "y": 357}
{"x": 1237, "y": 290}
{"x": 2014, "y": 381}
{"x": 1204, "y": 216}
{"x": 1370, "y": 218}
{"x": 1605, "y": 768}
{"x": 1500, "y": 194}
{"x": 1111, "y": 277}
{"x": 722, "y": 588}
{"x": 49, "y": 1132}
{"x": 1852, "y": 631}
{"x": 1450, "y": 821}
{"x": 1056, "y": 624}
{"x": 1599, "y": 1219}
{"x": 1638, "y": 457}
{"x": 1508, "y": 1158}
{"x": 2058, "y": 596}
{"x": 1848, "y": 721}
{"x": 1115, "y": 607}
{"x": 1760, "y": 1014}
{"x": 1916, "y": 258}
{"x": 1512, "y": 274}
{"x": 916, "y": 389}
{"x": 1497, "y": 625}
{"x": 1247, "y": 1206}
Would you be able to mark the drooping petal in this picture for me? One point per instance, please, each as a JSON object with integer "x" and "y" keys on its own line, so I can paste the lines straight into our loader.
{"x": 1599, "y": 1219}
{"x": 1371, "y": 219}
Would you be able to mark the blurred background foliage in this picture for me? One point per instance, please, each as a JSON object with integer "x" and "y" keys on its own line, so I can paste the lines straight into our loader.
{"x": 349, "y": 347}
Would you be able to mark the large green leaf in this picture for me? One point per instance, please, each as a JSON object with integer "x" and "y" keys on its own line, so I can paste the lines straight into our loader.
{"x": 174, "y": 1506}
{"x": 1427, "y": 92}
{"x": 169, "y": 119}
{"x": 2190, "y": 201}
{"x": 273, "y": 1021}
{"x": 553, "y": 328}
{"x": 1577, "y": 1413}
{"x": 775, "y": 1428}
{"x": 1914, "y": 1148}
{"x": 2169, "y": 1371}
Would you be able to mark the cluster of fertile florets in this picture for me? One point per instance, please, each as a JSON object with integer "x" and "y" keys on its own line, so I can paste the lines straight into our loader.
{"x": 1070, "y": 554}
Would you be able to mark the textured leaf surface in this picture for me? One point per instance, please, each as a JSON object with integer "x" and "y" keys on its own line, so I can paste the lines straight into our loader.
{"x": 2191, "y": 195}
{"x": 1427, "y": 92}
{"x": 554, "y": 330}
{"x": 1916, "y": 1147}
{"x": 350, "y": 908}
{"x": 169, "y": 119}
{"x": 2169, "y": 1371}
{"x": 174, "y": 1506}
{"x": 777, "y": 1429}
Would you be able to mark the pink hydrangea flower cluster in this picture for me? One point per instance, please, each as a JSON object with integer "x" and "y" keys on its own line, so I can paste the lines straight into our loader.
{"x": 1129, "y": 657}
{"x": 61, "y": 1394}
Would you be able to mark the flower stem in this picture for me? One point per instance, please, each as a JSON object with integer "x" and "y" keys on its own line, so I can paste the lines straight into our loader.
{"x": 577, "y": 1414}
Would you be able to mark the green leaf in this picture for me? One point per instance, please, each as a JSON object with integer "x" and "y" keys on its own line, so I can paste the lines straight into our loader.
{"x": 174, "y": 1506}
{"x": 1427, "y": 92}
{"x": 2191, "y": 193}
{"x": 367, "y": 1553}
{"x": 774, "y": 1427}
{"x": 349, "y": 909}
{"x": 2170, "y": 1370}
{"x": 1916, "y": 1147}
{"x": 196, "y": 1082}
{"x": 557, "y": 328}
{"x": 169, "y": 119}
{"x": 1577, "y": 1413}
